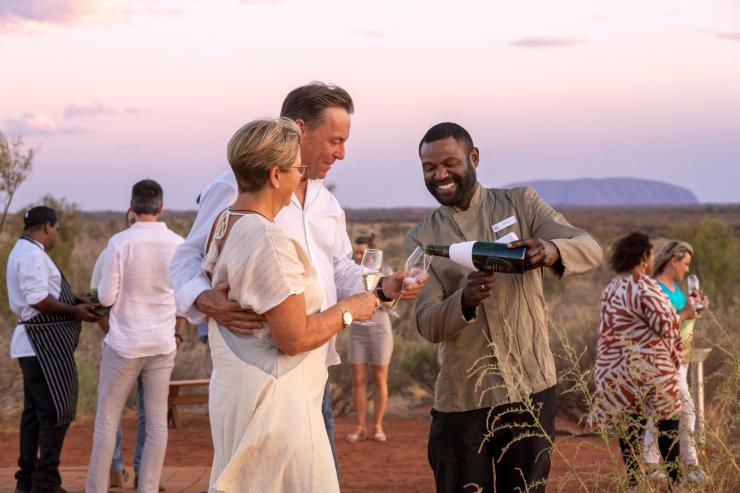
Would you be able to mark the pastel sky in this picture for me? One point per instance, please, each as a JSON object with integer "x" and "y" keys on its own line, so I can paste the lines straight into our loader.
{"x": 119, "y": 90}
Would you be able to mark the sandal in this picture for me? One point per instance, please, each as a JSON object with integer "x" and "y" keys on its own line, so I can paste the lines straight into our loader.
{"x": 380, "y": 436}
{"x": 357, "y": 436}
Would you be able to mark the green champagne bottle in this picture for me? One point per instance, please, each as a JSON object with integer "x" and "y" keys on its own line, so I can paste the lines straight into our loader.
{"x": 482, "y": 255}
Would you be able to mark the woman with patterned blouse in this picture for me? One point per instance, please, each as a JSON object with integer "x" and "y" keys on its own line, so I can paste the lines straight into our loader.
{"x": 637, "y": 358}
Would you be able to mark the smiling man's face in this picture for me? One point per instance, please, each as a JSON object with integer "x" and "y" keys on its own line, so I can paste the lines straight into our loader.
{"x": 449, "y": 171}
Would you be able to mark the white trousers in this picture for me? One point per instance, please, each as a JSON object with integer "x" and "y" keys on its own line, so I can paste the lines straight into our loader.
{"x": 687, "y": 422}
{"x": 117, "y": 377}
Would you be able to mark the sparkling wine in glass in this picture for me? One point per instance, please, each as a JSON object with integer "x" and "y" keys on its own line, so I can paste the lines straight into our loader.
{"x": 415, "y": 271}
{"x": 372, "y": 262}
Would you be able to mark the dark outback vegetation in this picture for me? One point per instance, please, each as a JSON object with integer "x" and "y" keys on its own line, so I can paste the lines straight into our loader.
{"x": 713, "y": 230}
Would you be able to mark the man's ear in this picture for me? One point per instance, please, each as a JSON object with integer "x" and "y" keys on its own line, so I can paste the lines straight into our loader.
{"x": 302, "y": 125}
{"x": 474, "y": 156}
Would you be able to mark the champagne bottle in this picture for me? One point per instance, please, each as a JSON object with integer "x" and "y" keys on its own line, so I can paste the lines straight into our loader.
{"x": 482, "y": 255}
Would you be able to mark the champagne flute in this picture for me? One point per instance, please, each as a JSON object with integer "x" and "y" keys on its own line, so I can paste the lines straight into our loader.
{"x": 372, "y": 262}
{"x": 415, "y": 269}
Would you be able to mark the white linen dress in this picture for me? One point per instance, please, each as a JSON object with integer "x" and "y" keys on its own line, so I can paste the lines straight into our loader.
{"x": 265, "y": 406}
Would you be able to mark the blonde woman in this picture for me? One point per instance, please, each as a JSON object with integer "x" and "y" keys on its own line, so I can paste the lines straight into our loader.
{"x": 266, "y": 389}
{"x": 672, "y": 263}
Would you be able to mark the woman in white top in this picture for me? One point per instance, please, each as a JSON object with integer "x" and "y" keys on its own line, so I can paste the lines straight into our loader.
{"x": 266, "y": 389}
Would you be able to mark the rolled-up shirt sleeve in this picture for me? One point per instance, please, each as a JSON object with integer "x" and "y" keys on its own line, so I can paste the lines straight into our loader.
{"x": 186, "y": 270}
{"x": 579, "y": 252}
{"x": 110, "y": 276}
{"x": 34, "y": 278}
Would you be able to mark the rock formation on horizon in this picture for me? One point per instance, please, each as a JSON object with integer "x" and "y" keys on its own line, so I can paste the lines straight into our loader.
{"x": 610, "y": 191}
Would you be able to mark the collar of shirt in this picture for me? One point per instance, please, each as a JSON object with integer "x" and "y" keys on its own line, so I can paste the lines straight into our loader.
{"x": 149, "y": 225}
{"x": 474, "y": 203}
{"x": 35, "y": 243}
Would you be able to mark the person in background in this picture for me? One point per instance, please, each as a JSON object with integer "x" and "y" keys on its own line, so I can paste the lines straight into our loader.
{"x": 118, "y": 473}
{"x": 143, "y": 336}
{"x": 480, "y": 419}
{"x": 638, "y": 354}
{"x": 370, "y": 345}
{"x": 672, "y": 263}
{"x": 43, "y": 342}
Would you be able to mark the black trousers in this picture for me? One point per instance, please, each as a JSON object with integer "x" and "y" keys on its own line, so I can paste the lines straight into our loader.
{"x": 630, "y": 443}
{"x": 460, "y": 458}
{"x": 40, "y": 441}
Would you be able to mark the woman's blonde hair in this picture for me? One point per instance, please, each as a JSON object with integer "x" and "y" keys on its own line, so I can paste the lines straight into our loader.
{"x": 259, "y": 146}
{"x": 671, "y": 249}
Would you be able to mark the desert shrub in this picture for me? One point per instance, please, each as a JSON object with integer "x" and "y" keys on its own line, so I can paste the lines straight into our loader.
{"x": 87, "y": 374}
{"x": 421, "y": 365}
{"x": 716, "y": 258}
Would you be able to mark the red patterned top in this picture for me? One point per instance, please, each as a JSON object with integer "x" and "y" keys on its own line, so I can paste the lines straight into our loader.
{"x": 638, "y": 353}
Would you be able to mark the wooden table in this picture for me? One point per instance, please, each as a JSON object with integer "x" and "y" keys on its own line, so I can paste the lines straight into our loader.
{"x": 175, "y": 398}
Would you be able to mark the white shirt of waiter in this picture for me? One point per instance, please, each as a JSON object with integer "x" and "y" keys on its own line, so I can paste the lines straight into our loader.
{"x": 31, "y": 277}
{"x": 134, "y": 283}
{"x": 319, "y": 225}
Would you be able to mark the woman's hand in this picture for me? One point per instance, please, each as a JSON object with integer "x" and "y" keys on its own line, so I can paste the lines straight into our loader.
{"x": 361, "y": 306}
{"x": 688, "y": 312}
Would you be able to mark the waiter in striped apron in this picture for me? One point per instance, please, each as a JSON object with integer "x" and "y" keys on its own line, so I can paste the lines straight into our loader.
{"x": 43, "y": 343}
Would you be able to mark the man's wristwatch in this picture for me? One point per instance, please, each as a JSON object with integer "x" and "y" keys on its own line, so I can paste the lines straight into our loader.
{"x": 346, "y": 316}
{"x": 379, "y": 291}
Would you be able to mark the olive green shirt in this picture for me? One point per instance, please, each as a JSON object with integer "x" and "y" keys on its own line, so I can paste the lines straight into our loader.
{"x": 503, "y": 354}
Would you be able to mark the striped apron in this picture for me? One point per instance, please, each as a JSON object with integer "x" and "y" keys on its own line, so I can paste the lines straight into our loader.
{"x": 54, "y": 338}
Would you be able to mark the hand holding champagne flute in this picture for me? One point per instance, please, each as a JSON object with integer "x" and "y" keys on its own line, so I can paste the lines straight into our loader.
{"x": 372, "y": 261}
{"x": 415, "y": 272}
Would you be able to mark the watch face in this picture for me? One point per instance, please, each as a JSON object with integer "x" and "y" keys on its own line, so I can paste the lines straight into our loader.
{"x": 347, "y": 317}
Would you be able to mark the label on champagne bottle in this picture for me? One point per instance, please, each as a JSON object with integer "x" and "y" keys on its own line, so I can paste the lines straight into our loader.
{"x": 462, "y": 253}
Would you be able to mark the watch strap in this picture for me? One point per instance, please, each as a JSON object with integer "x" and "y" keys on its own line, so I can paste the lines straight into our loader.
{"x": 379, "y": 291}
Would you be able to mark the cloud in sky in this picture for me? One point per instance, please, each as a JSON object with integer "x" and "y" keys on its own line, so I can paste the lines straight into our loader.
{"x": 729, "y": 36}
{"x": 43, "y": 11}
{"x": 25, "y": 13}
{"x": 538, "y": 42}
{"x": 35, "y": 123}
{"x": 94, "y": 109}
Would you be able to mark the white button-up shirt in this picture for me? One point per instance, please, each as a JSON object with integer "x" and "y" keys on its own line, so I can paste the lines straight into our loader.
{"x": 319, "y": 225}
{"x": 31, "y": 277}
{"x": 135, "y": 284}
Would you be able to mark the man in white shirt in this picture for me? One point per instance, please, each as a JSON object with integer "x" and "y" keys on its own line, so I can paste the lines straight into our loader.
{"x": 43, "y": 342}
{"x": 314, "y": 218}
{"x": 141, "y": 339}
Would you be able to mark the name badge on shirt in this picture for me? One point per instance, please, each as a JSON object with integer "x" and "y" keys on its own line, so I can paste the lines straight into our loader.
{"x": 507, "y": 238}
{"x": 504, "y": 224}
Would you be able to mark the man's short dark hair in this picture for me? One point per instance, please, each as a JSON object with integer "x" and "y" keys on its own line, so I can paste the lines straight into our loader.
{"x": 308, "y": 102}
{"x": 146, "y": 197}
{"x": 368, "y": 240}
{"x": 445, "y": 130}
